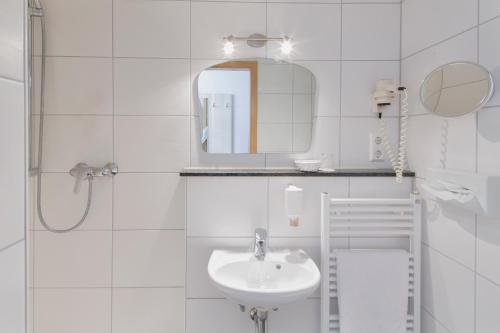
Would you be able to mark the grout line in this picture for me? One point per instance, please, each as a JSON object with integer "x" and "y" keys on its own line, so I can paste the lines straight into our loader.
{"x": 113, "y": 132}
{"x": 488, "y": 279}
{"x": 10, "y": 79}
{"x": 435, "y": 319}
{"x": 341, "y": 71}
{"x": 448, "y": 257}
{"x": 437, "y": 43}
{"x": 109, "y": 287}
{"x": 8, "y": 246}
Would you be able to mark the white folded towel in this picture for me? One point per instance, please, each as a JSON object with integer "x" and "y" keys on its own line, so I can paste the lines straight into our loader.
{"x": 372, "y": 290}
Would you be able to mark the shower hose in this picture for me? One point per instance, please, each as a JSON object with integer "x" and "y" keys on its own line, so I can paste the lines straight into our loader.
{"x": 40, "y": 139}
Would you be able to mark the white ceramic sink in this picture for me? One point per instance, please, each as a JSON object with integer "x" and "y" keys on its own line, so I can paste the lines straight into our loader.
{"x": 282, "y": 277}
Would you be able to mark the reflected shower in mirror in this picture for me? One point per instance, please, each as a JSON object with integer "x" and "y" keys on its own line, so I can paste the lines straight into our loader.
{"x": 456, "y": 89}
{"x": 255, "y": 106}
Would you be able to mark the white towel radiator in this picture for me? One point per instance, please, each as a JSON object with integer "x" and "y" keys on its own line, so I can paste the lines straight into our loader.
{"x": 385, "y": 219}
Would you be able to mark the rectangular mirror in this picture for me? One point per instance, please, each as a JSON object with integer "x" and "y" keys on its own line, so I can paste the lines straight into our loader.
{"x": 255, "y": 106}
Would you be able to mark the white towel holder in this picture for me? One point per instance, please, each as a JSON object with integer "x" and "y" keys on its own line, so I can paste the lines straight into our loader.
{"x": 387, "y": 218}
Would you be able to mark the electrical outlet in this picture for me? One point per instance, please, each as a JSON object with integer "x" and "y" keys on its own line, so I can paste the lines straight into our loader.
{"x": 376, "y": 148}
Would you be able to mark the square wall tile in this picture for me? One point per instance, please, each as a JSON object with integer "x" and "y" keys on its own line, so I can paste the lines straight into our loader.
{"x": 76, "y": 259}
{"x": 415, "y": 68}
{"x": 355, "y": 141}
{"x": 443, "y": 19}
{"x": 431, "y": 325}
{"x": 13, "y": 289}
{"x": 144, "y": 28}
{"x": 279, "y": 225}
{"x": 78, "y": 28}
{"x": 488, "y": 145}
{"x": 151, "y": 143}
{"x": 201, "y": 158}
{"x": 309, "y": 25}
{"x": 90, "y": 91}
{"x": 379, "y": 187}
{"x": 199, "y": 250}
{"x": 200, "y": 314}
{"x": 226, "y": 206}
{"x": 451, "y": 231}
{"x": 488, "y": 248}
{"x": 489, "y": 53}
{"x": 299, "y": 317}
{"x": 358, "y": 85}
{"x": 58, "y": 188}
{"x": 149, "y": 258}
{"x": 12, "y": 40}
{"x": 152, "y": 87}
{"x": 12, "y": 168}
{"x": 72, "y": 310}
{"x": 488, "y": 302}
{"x": 488, "y": 9}
{"x": 377, "y": 38}
{"x": 149, "y": 201}
{"x": 212, "y": 21}
{"x": 448, "y": 291}
{"x": 152, "y": 310}
{"x": 69, "y": 140}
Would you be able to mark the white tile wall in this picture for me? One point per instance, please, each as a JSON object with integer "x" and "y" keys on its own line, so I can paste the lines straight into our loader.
{"x": 78, "y": 28}
{"x": 149, "y": 201}
{"x": 13, "y": 241}
{"x": 448, "y": 291}
{"x": 443, "y": 19}
{"x": 461, "y": 246}
{"x": 150, "y": 28}
{"x": 148, "y": 310}
{"x": 362, "y": 41}
{"x": 72, "y": 310}
{"x": 77, "y": 85}
{"x": 11, "y": 39}
{"x": 78, "y": 259}
{"x": 132, "y": 64}
{"x": 149, "y": 258}
{"x": 230, "y": 207}
{"x": 311, "y": 24}
{"x": 151, "y": 87}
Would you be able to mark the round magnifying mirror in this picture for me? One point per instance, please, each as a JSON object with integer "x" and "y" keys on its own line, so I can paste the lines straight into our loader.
{"x": 456, "y": 89}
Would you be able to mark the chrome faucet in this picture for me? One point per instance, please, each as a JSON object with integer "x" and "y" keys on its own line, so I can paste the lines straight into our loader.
{"x": 260, "y": 245}
{"x": 83, "y": 171}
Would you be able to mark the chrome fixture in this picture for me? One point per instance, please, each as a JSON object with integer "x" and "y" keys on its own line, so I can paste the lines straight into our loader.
{"x": 260, "y": 246}
{"x": 258, "y": 40}
{"x": 81, "y": 171}
{"x": 259, "y": 318}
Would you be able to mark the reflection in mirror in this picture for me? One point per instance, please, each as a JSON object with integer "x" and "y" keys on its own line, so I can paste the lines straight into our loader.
{"x": 456, "y": 89}
{"x": 255, "y": 106}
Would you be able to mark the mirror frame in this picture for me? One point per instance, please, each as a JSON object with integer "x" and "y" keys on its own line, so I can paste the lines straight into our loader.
{"x": 483, "y": 102}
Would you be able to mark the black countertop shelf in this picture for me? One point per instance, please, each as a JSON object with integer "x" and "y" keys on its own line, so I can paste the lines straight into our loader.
{"x": 269, "y": 172}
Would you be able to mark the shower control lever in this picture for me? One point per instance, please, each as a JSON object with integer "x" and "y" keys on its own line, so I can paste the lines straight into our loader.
{"x": 83, "y": 171}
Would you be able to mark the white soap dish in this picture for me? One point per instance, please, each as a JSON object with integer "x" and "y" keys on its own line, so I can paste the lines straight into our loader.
{"x": 308, "y": 165}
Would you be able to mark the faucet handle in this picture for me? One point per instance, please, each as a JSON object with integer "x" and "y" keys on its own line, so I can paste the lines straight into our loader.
{"x": 81, "y": 171}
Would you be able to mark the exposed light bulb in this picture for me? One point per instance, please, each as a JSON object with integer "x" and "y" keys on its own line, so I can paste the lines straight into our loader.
{"x": 228, "y": 47}
{"x": 286, "y": 46}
